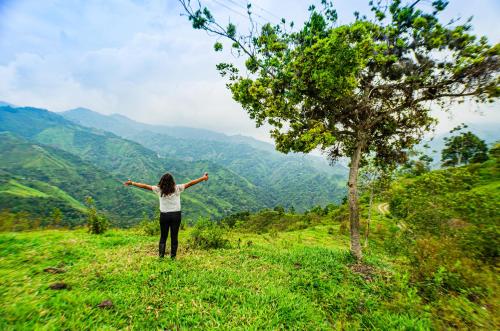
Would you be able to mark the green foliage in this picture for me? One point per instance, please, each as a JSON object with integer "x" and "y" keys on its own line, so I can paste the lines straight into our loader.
{"x": 453, "y": 202}
{"x": 271, "y": 221}
{"x": 495, "y": 152}
{"x": 96, "y": 222}
{"x": 315, "y": 79}
{"x": 279, "y": 209}
{"x": 150, "y": 226}
{"x": 359, "y": 88}
{"x": 57, "y": 217}
{"x": 447, "y": 226}
{"x": 218, "y": 47}
{"x": 418, "y": 164}
{"x": 207, "y": 234}
{"x": 20, "y": 221}
{"x": 464, "y": 149}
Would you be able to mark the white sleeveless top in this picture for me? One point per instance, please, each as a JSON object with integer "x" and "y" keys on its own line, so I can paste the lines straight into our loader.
{"x": 171, "y": 202}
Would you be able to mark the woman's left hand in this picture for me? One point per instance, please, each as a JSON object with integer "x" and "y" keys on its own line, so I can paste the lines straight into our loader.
{"x": 128, "y": 183}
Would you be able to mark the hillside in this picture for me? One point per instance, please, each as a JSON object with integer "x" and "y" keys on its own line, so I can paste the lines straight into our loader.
{"x": 287, "y": 175}
{"x": 227, "y": 192}
{"x": 298, "y": 280}
{"x": 124, "y": 159}
{"x": 37, "y": 179}
{"x": 278, "y": 270}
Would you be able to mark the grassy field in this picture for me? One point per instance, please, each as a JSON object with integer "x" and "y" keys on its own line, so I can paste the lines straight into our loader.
{"x": 288, "y": 280}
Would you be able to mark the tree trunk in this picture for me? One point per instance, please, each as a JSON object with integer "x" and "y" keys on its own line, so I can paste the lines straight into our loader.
{"x": 353, "y": 203}
{"x": 369, "y": 219}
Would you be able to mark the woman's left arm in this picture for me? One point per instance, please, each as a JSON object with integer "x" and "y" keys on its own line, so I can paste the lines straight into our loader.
{"x": 196, "y": 181}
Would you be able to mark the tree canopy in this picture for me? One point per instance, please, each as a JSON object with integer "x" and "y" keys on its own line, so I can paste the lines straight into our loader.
{"x": 464, "y": 148}
{"x": 358, "y": 88}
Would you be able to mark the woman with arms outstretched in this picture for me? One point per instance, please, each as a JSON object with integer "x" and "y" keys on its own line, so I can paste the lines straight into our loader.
{"x": 170, "y": 208}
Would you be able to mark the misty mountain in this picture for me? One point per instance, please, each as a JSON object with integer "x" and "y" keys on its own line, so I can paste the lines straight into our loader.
{"x": 96, "y": 154}
{"x": 253, "y": 159}
{"x": 172, "y": 135}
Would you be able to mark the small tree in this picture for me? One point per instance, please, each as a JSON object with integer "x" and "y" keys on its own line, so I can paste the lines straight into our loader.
{"x": 358, "y": 88}
{"x": 495, "y": 151}
{"x": 96, "y": 222}
{"x": 279, "y": 209}
{"x": 418, "y": 163}
{"x": 56, "y": 217}
{"x": 372, "y": 180}
{"x": 462, "y": 149}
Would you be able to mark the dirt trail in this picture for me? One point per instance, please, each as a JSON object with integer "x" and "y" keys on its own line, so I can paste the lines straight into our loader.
{"x": 383, "y": 208}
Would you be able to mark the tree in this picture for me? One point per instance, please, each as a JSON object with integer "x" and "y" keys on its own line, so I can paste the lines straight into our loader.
{"x": 464, "y": 148}
{"x": 358, "y": 88}
{"x": 56, "y": 217}
{"x": 372, "y": 180}
{"x": 96, "y": 222}
{"x": 418, "y": 163}
{"x": 495, "y": 151}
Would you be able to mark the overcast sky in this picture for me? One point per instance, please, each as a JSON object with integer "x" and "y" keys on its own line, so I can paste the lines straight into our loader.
{"x": 143, "y": 60}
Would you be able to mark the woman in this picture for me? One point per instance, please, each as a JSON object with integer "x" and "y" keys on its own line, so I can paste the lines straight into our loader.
{"x": 170, "y": 208}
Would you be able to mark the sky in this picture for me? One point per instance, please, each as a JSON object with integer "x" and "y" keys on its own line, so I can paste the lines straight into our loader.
{"x": 142, "y": 59}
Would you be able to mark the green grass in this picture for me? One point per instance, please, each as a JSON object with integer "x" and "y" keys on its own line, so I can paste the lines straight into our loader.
{"x": 287, "y": 280}
{"x": 15, "y": 188}
{"x": 42, "y": 190}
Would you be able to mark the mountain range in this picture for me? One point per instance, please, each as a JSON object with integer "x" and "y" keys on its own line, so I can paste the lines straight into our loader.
{"x": 52, "y": 161}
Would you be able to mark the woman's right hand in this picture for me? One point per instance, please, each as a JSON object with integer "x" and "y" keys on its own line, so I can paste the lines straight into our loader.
{"x": 128, "y": 183}
{"x": 205, "y": 176}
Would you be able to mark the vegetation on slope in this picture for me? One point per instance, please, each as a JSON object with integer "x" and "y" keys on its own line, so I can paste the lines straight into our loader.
{"x": 38, "y": 179}
{"x": 294, "y": 180}
{"x": 122, "y": 159}
{"x": 279, "y": 269}
{"x": 226, "y": 193}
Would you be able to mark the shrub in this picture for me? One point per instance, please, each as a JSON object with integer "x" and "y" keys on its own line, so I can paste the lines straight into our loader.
{"x": 96, "y": 222}
{"x": 149, "y": 226}
{"x": 207, "y": 234}
{"x": 232, "y": 220}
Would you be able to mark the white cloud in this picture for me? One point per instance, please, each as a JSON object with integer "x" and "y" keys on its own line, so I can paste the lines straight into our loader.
{"x": 141, "y": 59}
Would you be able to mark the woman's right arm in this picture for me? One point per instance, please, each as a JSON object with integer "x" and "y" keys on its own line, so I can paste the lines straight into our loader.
{"x": 140, "y": 185}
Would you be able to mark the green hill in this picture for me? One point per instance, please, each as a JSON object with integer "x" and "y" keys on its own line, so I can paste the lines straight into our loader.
{"x": 431, "y": 263}
{"x": 35, "y": 178}
{"x": 296, "y": 179}
{"x": 232, "y": 188}
{"x": 122, "y": 159}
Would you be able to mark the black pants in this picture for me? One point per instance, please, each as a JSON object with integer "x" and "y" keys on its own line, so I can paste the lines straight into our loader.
{"x": 172, "y": 221}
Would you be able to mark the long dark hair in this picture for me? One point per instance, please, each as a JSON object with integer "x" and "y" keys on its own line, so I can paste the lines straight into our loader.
{"x": 167, "y": 184}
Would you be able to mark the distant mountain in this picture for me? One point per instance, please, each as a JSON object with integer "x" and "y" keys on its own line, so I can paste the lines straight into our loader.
{"x": 288, "y": 176}
{"x": 226, "y": 192}
{"x": 3, "y": 103}
{"x": 102, "y": 160}
{"x": 123, "y": 126}
{"x": 37, "y": 179}
{"x": 130, "y": 129}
